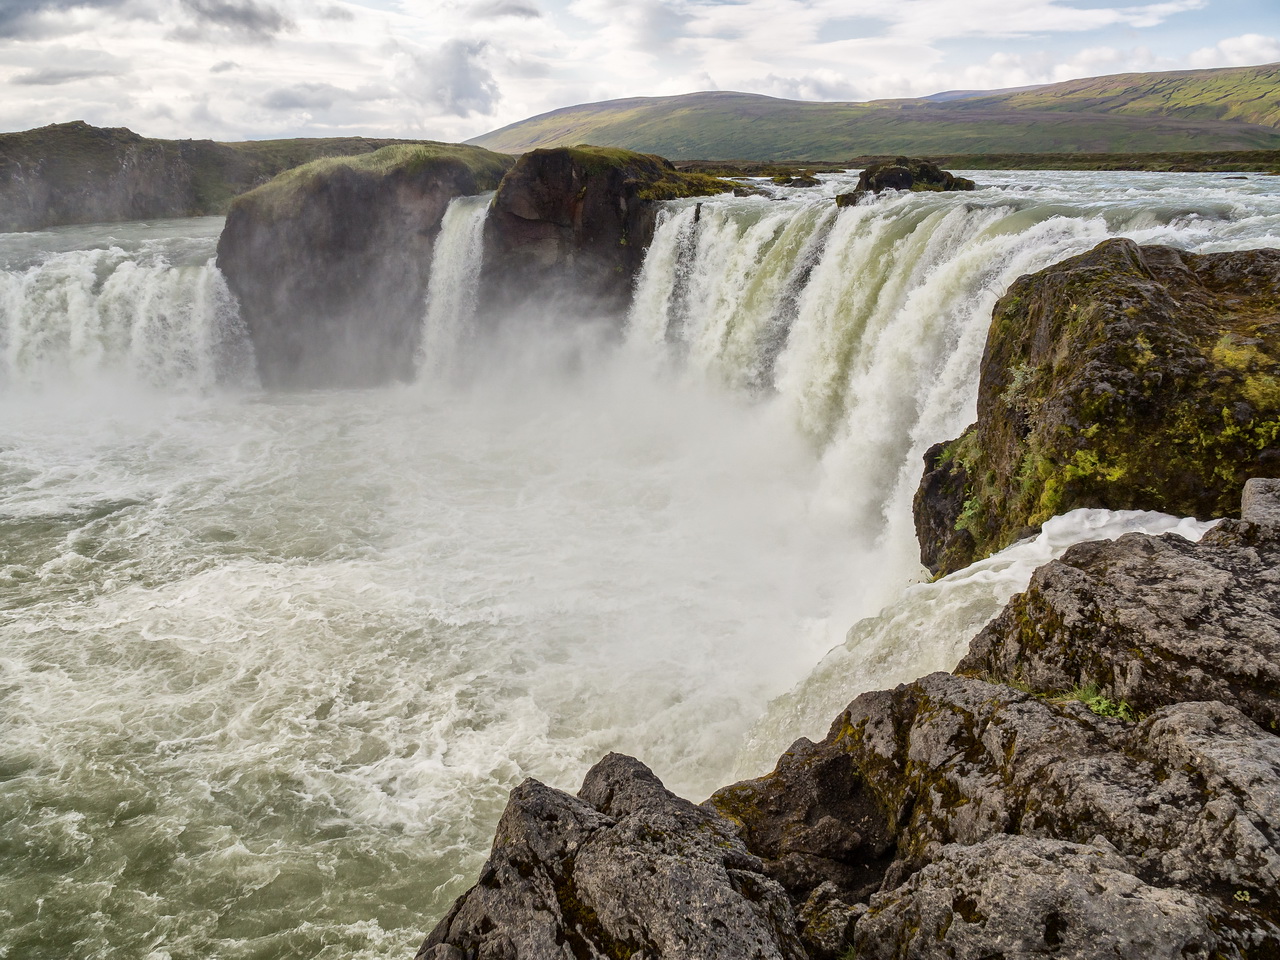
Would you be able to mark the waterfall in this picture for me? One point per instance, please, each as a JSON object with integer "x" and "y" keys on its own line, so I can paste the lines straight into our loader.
{"x": 452, "y": 290}
{"x": 79, "y": 314}
{"x": 866, "y": 325}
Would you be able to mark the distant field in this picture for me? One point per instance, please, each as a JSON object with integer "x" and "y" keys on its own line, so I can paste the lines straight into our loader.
{"x": 1225, "y": 161}
{"x": 1236, "y": 109}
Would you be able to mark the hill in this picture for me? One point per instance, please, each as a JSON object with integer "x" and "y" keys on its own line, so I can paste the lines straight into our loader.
{"x": 1236, "y": 108}
{"x": 77, "y": 173}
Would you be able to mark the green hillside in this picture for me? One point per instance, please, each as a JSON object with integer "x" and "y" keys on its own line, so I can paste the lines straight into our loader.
{"x": 1231, "y": 109}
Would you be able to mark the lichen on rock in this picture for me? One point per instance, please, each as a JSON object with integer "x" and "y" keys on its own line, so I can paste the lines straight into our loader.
{"x": 1129, "y": 377}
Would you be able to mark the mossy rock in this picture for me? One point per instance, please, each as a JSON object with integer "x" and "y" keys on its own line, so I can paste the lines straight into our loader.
{"x": 1129, "y": 378}
{"x": 903, "y": 173}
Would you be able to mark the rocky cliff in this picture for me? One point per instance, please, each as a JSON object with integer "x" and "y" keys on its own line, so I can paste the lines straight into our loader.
{"x": 1118, "y": 802}
{"x": 77, "y": 173}
{"x": 1129, "y": 378}
{"x": 330, "y": 261}
{"x": 569, "y": 228}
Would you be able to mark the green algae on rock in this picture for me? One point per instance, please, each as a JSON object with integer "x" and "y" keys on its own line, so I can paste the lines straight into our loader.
{"x": 330, "y": 261}
{"x": 1130, "y": 378}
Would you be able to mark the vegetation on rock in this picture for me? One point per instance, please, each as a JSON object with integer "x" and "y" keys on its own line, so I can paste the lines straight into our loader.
{"x": 1129, "y": 377}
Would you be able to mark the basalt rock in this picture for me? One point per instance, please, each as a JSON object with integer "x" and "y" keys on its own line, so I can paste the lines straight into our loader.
{"x": 569, "y": 228}
{"x": 1149, "y": 621}
{"x": 1019, "y": 897}
{"x": 625, "y": 869}
{"x": 1130, "y": 378}
{"x": 330, "y": 262}
{"x": 903, "y": 173}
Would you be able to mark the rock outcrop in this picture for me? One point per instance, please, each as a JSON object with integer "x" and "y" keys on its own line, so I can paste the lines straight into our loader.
{"x": 1150, "y": 621}
{"x": 625, "y": 869}
{"x": 330, "y": 261}
{"x": 77, "y": 173}
{"x": 957, "y": 817}
{"x": 1128, "y": 377}
{"x": 569, "y": 228}
{"x": 903, "y": 173}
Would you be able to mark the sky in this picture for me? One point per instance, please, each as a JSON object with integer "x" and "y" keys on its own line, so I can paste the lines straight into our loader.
{"x": 453, "y": 69}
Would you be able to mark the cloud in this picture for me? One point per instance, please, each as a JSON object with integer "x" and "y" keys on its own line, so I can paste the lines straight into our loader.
{"x": 31, "y": 19}
{"x": 1249, "y": 48}
{"x": 490, "y": 9}
{"x": 821, "y": 85}
{"x": 53, "y": 76}
{"x": 222, "y": 66}
{"x": 305, "y": 96}
{"x": 245, "y": 20}
{"x": 451, "y": 78}
{"x": 335, "y": 12}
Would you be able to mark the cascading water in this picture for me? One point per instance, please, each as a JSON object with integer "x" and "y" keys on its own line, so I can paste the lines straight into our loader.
{"x": 451, "y": 290}
{"x": 270, "y": 664}
{"x": 145, "y": 307}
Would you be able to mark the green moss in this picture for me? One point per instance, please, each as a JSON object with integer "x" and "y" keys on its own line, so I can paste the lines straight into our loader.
{"x": 1090, "y": 696}
{"x": 284, "y": 196}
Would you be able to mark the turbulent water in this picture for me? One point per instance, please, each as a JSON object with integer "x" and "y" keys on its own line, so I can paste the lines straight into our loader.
{"x": 269, "y": 664}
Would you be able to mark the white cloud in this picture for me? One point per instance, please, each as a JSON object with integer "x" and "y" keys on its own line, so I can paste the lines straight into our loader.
{"x": 451, "y": 78}
{"x": 1249, "y": 48}
{"x": 451, "y": 69}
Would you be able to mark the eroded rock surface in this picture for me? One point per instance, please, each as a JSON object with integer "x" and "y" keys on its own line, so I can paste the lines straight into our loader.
{"x": 955, "y": 817}
{"x": 570, "y": 226}
{"x": 1021, "y": 897}
{"x": 1130, "y": 378}
{"x": 625, "y": 869}
{"x": 1151, "y": 621}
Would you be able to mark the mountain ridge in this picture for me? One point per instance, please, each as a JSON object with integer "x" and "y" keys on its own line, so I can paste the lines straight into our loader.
{"x": 1230, "y": 108}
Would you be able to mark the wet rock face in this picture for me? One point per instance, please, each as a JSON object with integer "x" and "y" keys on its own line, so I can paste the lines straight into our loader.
{"x": 1127, "y": 378}
{"x": 569, "y": 228}
{"x": 1151, "y": 621}
{"x": 625, "y": 869}
{"x": 331, "y": 267}
{"x": 903, "y": 173}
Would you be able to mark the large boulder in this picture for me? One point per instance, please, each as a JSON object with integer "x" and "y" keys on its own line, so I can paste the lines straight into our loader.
{"x": 1149, "y": 621}
{"x": 1177, "y": 810}
{"x": 330, "y": 261}
{"x": 569, "y": 228}
{"x": 903, "y": 173}
{"x": 1131, "y": 378}
{"x": 625, "y": 869}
